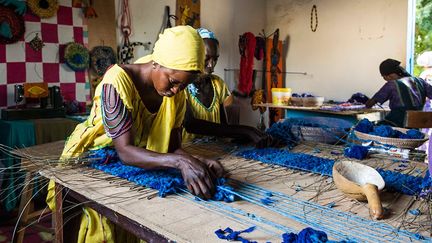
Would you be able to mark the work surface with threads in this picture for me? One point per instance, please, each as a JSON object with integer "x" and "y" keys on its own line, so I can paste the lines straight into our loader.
{"x": 300, "y": 199}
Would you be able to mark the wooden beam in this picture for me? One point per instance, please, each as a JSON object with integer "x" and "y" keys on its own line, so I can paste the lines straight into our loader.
{"x": 419, "y": 119}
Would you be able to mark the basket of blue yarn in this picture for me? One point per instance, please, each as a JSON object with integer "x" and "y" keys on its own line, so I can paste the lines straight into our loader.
{"x": 394, "y": 136}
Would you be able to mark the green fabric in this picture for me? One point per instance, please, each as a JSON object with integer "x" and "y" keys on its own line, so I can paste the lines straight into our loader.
{"x": 15, "y": 134}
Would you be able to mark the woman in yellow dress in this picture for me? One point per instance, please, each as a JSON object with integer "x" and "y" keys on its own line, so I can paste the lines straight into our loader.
{"x": 206, "y": 100}
{"x": 139, "y": 109}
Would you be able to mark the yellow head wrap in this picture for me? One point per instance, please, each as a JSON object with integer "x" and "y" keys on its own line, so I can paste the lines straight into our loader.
{"x": 180, "y": 48}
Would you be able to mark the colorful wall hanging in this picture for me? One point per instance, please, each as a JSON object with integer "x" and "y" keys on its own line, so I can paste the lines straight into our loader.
{"x": 274, "y": 71}
{"x": 76, "y": 56}
{"x": 101, "y": 58}
{"x": 188, "y": 13}
{"x": 12, "y": 26}
{"x": 43, "y": 8}
{"x": 20, "y": 63}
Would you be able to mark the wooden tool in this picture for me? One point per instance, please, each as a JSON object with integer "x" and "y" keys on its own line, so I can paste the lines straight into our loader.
{"x": 361, "y": 182}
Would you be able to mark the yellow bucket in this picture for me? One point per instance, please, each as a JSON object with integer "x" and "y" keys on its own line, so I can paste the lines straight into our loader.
{"x": 281, "y": 96}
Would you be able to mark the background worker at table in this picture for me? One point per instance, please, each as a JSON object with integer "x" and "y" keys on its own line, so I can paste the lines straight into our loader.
{"x": 403, "y": 92}
{"x": 206, "y": 101}
{"x": 139, "y": 109}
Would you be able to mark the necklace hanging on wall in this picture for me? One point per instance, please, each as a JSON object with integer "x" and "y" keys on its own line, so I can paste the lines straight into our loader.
{"x": 314, "y": 13}
{"x": 36, "y": 43}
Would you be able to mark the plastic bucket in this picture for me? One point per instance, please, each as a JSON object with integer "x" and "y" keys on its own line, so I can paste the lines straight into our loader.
{"x": 281, "y": 96}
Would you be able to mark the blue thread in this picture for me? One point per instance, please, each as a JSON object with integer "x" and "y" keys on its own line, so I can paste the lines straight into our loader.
{"x": 306, "y": 235}
{"x": 415, "y": 212}
{"x": 231, "y": 235}
{"x": 364, "y": 126}
{"x": 193, "y": 90}
{"x": 165, "y": 181}
{"x": 395, "y": 181}
{"x": 267, "y": 200}
{"x": 356, "y": 151}
{"x": 331, "y": 205}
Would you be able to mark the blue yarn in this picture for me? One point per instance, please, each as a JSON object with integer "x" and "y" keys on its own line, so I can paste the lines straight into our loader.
{"x": 267, "y": 200}
{"x": 231, "y": 235}
{"x": 383, "y": 131}
{"x": 395, "y": 181}
{"x": 412, "y": 134}
{"x": 307, "y": 235}
{"x": 165, "y": 181}
{"x": 364, "y": 126}
{"x": 356, "y": 151}
{"x": 285, "y": 158}
{"x": 415, "y": 212}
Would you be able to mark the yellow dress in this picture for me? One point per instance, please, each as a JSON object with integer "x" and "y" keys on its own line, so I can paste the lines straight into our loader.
{"x": 211, "y": 113}
{"x": 152, "y": 131}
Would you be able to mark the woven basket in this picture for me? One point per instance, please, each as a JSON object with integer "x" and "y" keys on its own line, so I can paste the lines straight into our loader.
{"x": 330, "y": 131}
{"x": 397, "y": 142}
{"x": 318, "y": 134}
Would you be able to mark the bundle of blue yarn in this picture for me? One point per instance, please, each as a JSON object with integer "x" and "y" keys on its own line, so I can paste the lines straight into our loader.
{"x": 307, "y": 235}
{"x": 165, "y": 181}
{"x": 365, "y": 126}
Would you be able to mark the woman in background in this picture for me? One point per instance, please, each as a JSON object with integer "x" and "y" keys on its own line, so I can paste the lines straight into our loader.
{"x": 206, "y": 101}
{"x": 403, "y": 92}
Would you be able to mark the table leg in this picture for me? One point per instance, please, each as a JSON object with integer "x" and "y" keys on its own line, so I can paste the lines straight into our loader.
{"x": 58, "y": 214}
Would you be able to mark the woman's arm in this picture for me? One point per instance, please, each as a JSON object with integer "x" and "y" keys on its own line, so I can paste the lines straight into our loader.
{"x": 118, "y": 123}
{"x": 203, "y": 127}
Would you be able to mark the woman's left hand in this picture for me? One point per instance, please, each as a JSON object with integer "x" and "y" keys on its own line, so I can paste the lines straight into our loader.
{"x": 215, "y": 167}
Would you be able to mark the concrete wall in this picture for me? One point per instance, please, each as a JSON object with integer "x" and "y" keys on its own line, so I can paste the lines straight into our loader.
{"x": 343, "y": 55}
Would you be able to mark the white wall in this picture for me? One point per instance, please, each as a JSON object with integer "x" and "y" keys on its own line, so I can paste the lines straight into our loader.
{"x": 343, "y": 55}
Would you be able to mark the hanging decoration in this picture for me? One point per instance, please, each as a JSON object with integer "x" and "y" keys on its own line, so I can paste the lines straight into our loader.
{"x": 246, "y": 44}
{"x": 314, "y": 13}
{"x": 43, "y": 8}
{"x": 19, "y": 6}
{"x": 274, "y": 72}
{"x": 12, "y": 26}
{"x": 36, "y": 43}
{"x": 101, "y": 58}
{"x": 126, "y": 51}
{"x": 188, "y": 13}
{"x": 76, "y": 56}
{"x": 89, "y": 11}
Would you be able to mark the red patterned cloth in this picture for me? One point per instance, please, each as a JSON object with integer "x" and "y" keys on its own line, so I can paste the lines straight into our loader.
{"x": 247, "y": 45}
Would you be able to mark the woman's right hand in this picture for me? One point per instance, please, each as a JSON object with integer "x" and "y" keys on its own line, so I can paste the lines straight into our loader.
{"x": 196, "y": 176}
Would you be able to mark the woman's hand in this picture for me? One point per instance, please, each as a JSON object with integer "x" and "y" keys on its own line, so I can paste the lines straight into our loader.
{"x": 260, "y": 139}
{"x": 215, "y": 167}
{"x": 196, "y": 175}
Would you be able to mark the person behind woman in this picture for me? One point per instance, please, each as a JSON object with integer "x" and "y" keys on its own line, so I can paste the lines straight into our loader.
{"x": 403, "y": 92}
{"x": 139, "y": 109}
{"x": 206, "y": 100}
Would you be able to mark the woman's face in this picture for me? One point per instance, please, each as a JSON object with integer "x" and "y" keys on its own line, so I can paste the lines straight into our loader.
{"x": 169, "y": 82}
{"x": 212, "y": 55}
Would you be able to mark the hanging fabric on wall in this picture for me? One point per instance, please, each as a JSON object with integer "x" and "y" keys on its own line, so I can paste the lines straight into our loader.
{"x": 12, "y": 26}
{"x": 274, "y": 72}
{"x": 247, "y": 45}
{"x": 188, "y": 13}
{"x": 43, "y": 8}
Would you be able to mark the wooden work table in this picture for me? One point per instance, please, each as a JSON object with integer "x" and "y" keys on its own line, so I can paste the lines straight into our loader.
{"x": 371, "y": 114}
{"x": 180, "y": 218}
